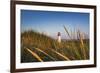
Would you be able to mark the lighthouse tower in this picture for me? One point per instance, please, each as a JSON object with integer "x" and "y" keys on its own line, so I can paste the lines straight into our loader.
{"x": 59, "y": 37}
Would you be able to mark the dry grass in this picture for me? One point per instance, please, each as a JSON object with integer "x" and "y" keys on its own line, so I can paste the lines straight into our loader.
{"x": 45, "y": 53}
{"x": 34, "y": 55}
{"x": 61, "y": 55}
{"x": 44, "y": 48}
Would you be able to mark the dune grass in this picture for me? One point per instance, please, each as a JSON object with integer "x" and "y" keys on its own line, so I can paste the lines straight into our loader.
{"x": 44, "y": 48}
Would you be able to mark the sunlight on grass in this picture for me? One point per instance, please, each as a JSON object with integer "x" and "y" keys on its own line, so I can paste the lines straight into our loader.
{"x": 40, "y": 47}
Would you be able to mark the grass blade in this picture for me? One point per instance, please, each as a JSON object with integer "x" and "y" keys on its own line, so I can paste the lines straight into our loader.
{"x": 45, "y": 53}
{"x": 66, "y": 58}
{"x": 67, "y": 32}
{"x": 34, "y": 54}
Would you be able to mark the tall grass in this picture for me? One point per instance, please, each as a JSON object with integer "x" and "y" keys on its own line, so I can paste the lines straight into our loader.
{"x": 44, "y": 48}
{"x": 80, "y": 45}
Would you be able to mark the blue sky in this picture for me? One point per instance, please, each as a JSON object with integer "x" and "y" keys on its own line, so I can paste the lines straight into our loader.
{"x": 51, "y": 22}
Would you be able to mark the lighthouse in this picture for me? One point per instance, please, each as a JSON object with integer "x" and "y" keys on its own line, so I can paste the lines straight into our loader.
{"x": 59, "y": 37}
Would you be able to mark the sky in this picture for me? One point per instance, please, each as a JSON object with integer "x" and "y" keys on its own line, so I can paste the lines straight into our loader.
{"x": 51, "y": 22}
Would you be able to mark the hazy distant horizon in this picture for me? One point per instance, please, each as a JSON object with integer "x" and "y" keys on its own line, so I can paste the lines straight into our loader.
{"x": 51, "y": 22}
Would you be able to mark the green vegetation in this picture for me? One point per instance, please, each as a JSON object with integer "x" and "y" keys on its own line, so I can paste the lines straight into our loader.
{"x": 37, "y": 47}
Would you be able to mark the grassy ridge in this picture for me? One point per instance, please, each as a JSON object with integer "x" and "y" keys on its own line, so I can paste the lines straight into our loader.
{"x": 48, "y": 49}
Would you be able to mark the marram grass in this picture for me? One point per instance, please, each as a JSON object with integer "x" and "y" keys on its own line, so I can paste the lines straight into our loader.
{"x": 37, "y": 47}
